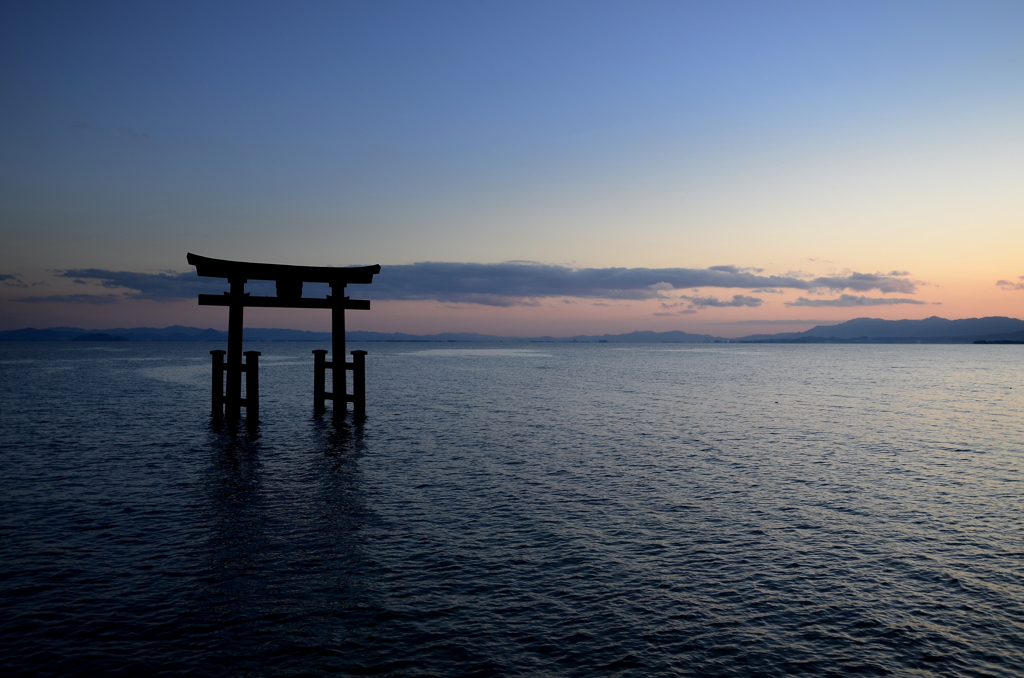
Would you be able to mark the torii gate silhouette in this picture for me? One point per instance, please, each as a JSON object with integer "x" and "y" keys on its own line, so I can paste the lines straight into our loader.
{"x": 289, "y": 281}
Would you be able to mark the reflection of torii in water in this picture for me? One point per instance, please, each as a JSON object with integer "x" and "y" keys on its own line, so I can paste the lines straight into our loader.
{"x": 289, "y": 281}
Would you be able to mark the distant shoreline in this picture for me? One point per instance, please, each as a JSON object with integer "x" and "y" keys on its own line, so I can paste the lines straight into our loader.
{"x": 934, "y": 330}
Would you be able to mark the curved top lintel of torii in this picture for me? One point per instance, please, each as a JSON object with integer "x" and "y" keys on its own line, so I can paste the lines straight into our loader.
{"x": 245, "y": 270}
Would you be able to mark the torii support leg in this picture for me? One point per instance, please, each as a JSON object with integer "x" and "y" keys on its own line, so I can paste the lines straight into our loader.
{"x": 359, "y": 384}
{"x": 319, "y": 379}
{"x": 233, "y": 400}
{"x": 217, "y": 390}
{"x": 339, "y": 373}
{"x": 252, "y": 387}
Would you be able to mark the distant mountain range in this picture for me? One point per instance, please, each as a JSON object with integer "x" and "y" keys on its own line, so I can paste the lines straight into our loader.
{"x": 932, "y": 330}
{"x": 172, "y": 333}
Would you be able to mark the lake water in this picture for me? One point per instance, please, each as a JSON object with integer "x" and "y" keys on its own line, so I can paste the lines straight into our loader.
{"x": 517, "y": 510}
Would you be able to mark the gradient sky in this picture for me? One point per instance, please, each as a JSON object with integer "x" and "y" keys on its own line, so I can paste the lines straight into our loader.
{"x": 714, "y": 167}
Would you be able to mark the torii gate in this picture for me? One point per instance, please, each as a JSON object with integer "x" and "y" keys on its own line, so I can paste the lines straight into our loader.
{"x": 289, "y": 281}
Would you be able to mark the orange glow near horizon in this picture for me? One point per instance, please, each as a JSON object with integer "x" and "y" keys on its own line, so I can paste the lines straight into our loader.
{"x": 556, "y": 317}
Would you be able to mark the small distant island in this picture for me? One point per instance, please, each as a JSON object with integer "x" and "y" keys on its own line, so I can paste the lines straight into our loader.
{"x": 934, "y": 330}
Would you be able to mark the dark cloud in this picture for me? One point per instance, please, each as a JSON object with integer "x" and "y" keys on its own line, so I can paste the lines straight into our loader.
{"x": 503, "y": 283}
{"x": 512, "y": 283}
{"x": 467, "y": 282}
{"x": 863, "y": 282}
{"x": 737, "y": 300}
{"x": 158, "y": 286}
{"x": 766, "y": 290}
{"x": 76, "y": 298}
{"x": 1011, "y": 286}
{"x": 12, "y": 280}
{"x": 851, "y": 300}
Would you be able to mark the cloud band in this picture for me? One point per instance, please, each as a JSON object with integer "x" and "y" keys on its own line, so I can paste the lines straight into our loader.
{"x": 847, "y": 300}
{"x": 521, "y": 283}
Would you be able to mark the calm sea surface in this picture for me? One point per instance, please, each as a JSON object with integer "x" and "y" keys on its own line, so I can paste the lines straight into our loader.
{"x": 517, "y": 510}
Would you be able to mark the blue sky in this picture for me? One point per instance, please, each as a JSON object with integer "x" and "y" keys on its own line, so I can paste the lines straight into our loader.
{"x": 809, "y": 140}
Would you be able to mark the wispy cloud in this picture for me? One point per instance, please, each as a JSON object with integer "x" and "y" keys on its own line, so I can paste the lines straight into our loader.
{"x": 12, "y": 280}
{"x": 76, "y": 298}
{"x": 133, "y": 134}
{"x": 1011, "y": 286}
{"x": 737, "y": 300}
{"x": 846, "y": 300}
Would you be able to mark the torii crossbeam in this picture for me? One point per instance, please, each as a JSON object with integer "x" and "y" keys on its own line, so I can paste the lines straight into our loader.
{"x": 289, "y": 281}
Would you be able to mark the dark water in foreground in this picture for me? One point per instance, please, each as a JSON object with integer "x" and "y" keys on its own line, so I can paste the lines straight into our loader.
{"x": 548, "y": 510}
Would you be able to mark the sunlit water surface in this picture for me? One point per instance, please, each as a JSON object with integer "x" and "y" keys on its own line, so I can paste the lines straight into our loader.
{"x": 517, "y": 510}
